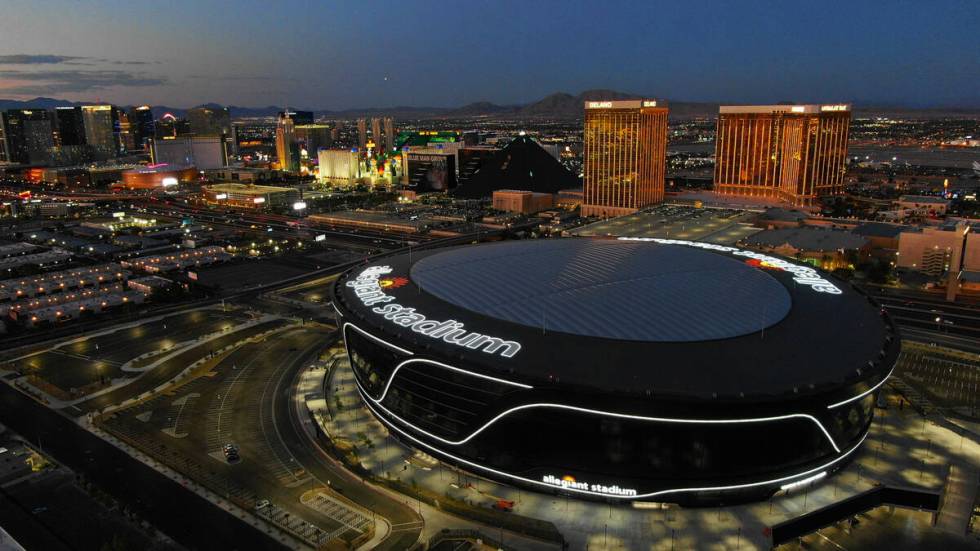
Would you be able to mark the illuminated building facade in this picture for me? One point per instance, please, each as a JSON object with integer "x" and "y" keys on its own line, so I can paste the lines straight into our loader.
{"x": 311, "y": 138}
{"x": 299, "y": 117}
{"x": 27, "y": 135}
{"x": 213, "y": 121}
{"x": 625, "y": 154}
{"x": 794, "y": 153}
{"x": 209, "y": 121}
{"x": 170, "y": 126}
{"x": 524, "y": 202}
{"x": 429, "y": 170}
{"x": 286, "y": 150}
{"x": 338, "y": 166}
{"x": 69, "y": 127}
{"x": 529, "y": 362}
{"x": 251, "y": 196}
{"x": 389, "y": 134}
{"x": 158, "y": 177}
{"x": 102, "y": 128}
{"x": 127, "y": 139}
{"x": 362, "y": 134}
{"x": 142, "y": 125}
{"x": 204, "y": 152}
{"x": 376, "y": 133}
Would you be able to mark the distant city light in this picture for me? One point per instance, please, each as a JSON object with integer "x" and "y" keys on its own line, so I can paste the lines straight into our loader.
{"x": 299, "y": 205}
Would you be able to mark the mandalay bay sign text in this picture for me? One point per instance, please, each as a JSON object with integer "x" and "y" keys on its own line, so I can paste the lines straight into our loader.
{"x": 367, "y": 286}
{"x": 803, "y": 275}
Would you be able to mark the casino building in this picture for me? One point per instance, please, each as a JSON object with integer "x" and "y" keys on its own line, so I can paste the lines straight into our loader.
{"x": 630, "y": 369}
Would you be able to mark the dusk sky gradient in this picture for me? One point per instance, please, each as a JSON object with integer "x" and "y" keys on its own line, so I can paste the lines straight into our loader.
{"x": 338, "y": 54}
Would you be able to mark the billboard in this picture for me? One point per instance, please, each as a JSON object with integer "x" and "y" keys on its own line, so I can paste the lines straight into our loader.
{"x": 431, "y": 171}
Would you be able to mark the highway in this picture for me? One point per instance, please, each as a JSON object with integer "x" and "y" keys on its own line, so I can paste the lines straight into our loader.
{"x": 246, "y": 220}
{"x": 927, "y": 317}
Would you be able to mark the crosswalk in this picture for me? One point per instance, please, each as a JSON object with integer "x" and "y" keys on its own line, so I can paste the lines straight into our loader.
{"x": 306, "y": 531}
{"x": 348, "y": 518}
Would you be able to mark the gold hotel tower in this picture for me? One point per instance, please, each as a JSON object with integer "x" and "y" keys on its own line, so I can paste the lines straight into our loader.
{"x": 795, "y": 153}
{"x": 625, "y": 153}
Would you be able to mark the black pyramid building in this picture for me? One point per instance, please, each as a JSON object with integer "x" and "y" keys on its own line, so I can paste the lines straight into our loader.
{"x": 522, "y": 165}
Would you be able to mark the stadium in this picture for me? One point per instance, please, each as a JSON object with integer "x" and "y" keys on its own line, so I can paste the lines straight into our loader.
{"x": 621, "y": 369}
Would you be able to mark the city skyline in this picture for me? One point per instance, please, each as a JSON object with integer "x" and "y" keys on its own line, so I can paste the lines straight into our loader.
{"x": 548, "y": 276}
{"x": 905, "y": 55}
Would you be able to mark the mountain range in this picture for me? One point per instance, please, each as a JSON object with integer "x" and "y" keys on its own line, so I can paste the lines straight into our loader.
{"x": 559, "y": 105}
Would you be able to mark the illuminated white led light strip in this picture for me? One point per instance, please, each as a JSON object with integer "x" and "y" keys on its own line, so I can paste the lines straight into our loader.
{"x": 620, "y": 416}
{"x": 585, "y": 410}
{"x": 807, "y": 480}
{"x": 449, "y": 367}
{"x": 639, "y": 496}
{"x": 420, "y": 360}
{"x": 373, "y": 338}
{"x": 865, "y": 393}
{"x": 804, "y": 275}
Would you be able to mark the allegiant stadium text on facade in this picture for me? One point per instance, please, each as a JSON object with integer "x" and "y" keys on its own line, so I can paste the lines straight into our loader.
{"x": 801, "y": 274}
{"x": 569, "y": 483}
{"x": 368, "y": 289}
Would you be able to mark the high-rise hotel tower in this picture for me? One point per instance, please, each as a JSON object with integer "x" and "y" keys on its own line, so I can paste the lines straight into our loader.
{"x": 795, "y": 153}
{"x": 625, "y": 153}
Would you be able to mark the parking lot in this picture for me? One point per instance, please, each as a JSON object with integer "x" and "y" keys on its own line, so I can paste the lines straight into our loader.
{"x": 883, "y": 529}
{"x": 94, "y": 361}
{"x": 720, "y": 226}
{"x": 950, "y": 382}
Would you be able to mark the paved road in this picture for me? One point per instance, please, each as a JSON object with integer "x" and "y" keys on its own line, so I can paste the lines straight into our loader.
{"x": 186, "y": 517}
{"x": 920, "y": 311}
{"x": 967, "y": 344}
{"x": 248, "y": 402}
{"x": 405, "y": 520}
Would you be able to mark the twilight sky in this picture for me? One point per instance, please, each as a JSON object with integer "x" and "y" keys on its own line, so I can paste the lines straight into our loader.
{"x": 338, "y": 54}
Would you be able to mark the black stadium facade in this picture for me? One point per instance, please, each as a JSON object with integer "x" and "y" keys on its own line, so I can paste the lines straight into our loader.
{"x": 629, "y": 369}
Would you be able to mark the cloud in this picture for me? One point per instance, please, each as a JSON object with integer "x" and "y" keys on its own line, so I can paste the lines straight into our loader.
{"x": 245, "y": 77}
{"x": 32, "y": 59}
{"x": 62, "y": 81}
{"x": 45, "y": 59}
{"x": 121, "y": 62}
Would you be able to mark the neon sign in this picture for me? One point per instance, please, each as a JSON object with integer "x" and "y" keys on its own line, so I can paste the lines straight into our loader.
{"x": 568, "y": 482}
{"x": 369, "y": 288}
{"x": 600, "y": 104}
{"x": 801, "y": 274}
